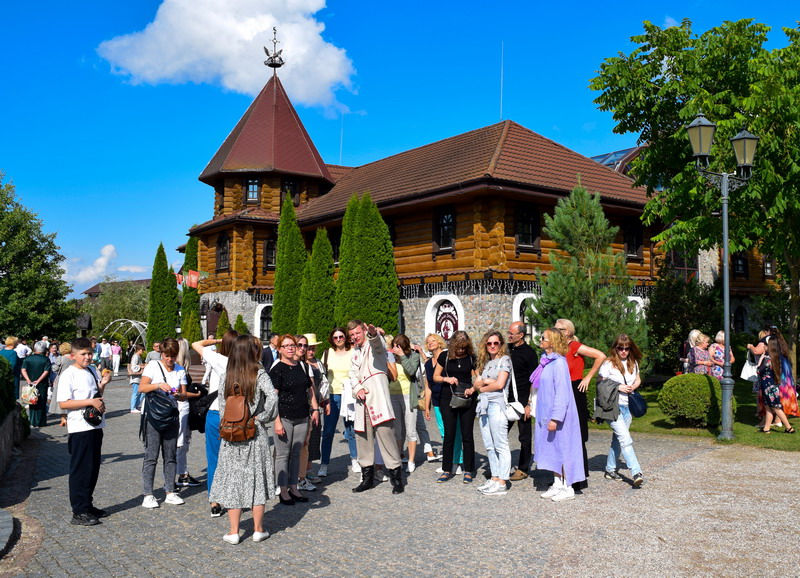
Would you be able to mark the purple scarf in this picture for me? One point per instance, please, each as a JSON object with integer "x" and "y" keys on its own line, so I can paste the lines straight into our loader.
{"x": 537, "y": 373}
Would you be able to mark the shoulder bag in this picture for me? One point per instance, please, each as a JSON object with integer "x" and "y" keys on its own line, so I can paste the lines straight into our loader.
{"x": 457, "y": 401}
{"x": 91, "y": 414}
{"x": 636, "y": 403}
{"x": 515, "y": 411}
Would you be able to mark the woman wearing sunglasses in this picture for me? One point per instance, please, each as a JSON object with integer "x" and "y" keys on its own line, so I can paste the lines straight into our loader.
{"x": 337, "y": 360}
{"x": 622, "y": 366}
{"x": 494, "y": 365}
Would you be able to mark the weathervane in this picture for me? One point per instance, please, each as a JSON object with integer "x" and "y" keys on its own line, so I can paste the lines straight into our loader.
{"x": 274, "y": 60}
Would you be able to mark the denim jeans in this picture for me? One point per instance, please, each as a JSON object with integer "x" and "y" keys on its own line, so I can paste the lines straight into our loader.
{"x": 212, "y": 445}
{"x": 329, "y": 431}
{"x": 621, "y": 442}
{"x": 136, "y": 397}
{"x": 494, "y": 430}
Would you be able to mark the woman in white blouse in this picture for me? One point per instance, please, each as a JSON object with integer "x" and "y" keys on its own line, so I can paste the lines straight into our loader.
{"x": 622, "y": 366}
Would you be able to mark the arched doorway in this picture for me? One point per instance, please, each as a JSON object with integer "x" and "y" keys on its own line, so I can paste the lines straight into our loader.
{"x": 263, "y": 321}
{"x": 444, "y": 315}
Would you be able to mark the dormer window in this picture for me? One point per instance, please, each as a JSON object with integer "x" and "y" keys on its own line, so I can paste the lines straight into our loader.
{"x": 252, "y": 191}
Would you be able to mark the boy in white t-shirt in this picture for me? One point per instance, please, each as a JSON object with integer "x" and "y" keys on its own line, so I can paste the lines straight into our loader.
{"x": 79, "y": 387}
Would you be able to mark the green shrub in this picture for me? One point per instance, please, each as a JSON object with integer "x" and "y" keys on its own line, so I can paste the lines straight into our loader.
{"x": 223, "y": 324}
{"x": 240, "y": 326}
{"x": 692, "y": 399}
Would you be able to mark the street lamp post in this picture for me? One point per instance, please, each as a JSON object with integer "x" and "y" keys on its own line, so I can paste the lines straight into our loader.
{"x": 701, "y": 135}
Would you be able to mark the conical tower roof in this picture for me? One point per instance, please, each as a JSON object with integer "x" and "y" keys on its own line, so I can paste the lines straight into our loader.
{"x": 269, "y": 138}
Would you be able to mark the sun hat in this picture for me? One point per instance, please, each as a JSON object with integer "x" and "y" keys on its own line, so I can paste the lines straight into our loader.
{"x": 312, "y": 339}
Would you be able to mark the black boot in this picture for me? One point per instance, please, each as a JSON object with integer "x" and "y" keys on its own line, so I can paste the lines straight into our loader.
{"x": 367, "y": 479}
{"x": 396, "y": 479}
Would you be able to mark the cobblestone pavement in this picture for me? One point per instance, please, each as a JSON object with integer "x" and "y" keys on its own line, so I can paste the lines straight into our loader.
{"x": 705, "y": 509}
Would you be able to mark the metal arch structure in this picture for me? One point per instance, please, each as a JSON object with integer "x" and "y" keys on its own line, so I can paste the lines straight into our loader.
{"x": 126, "y": 327}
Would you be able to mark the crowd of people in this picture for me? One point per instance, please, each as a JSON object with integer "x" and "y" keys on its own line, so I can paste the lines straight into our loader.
{"x": 384, "y": 389}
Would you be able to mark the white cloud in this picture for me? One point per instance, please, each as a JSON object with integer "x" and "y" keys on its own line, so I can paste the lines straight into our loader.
{"x": 221, "y": 42}
{"x": 132, "y": 268}
{"x": 669, "y": 22}
{"x": 97, "y": 270}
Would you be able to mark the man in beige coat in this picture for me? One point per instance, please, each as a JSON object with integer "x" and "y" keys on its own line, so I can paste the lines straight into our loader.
{"x": 374, "y": 415}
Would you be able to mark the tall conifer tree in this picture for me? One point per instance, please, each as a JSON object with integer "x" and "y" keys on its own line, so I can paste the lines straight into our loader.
{"x": 223, "y": 324}
{"x": 348, "y": 280}
{"x": 319, "y": 291}
{"x": 163, "y": 311}
{"x": 190, "y": 298}
{"x": 240, "y": 326}
{"x": 289, "y": 265}
{"x": 589, "y": 285}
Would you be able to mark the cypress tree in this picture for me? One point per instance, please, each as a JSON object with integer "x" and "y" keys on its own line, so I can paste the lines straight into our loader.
{"x": 589, "y": 284}
{"x": 223, "y": 324}
{"x": 319, "y": 291}
{"x": 163, "y": 310}
{"x": 379, "y": 294}
{"x": 348, "y": 280}
{"x": 190, "y": 298}
{"x": 240, "y": 326}
{"x": 289, "y": 265}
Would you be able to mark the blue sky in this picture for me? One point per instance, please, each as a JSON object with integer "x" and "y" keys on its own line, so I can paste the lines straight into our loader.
{"x": 112, "y": 109}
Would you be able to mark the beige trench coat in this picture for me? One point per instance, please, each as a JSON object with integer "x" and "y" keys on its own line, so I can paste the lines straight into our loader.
{"x": 368, "y": 371}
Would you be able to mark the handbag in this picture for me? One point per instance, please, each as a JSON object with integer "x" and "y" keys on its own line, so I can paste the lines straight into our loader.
{"x": 158, "y": 408}
{"x": 91, "y": 414}
{"x": 515, "y": 411}
{"x": 457, "y": 401}
{"x": 29, "y": 395}
{"x": 636, "y": 403}
{"x": 750, "y": 368}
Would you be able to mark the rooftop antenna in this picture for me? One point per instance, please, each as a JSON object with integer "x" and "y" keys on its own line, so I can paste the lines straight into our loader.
{"x": 502, "y": 56}
{"x": 341, "y": 140}
{"x": 274, "y": 60}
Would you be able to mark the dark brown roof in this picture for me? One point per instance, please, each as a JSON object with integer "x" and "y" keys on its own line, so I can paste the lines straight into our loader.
{"x": 269, "y": 137}
{"x": 338, "y": 171}
{"x": 506, "y": 152}
{"x": 249, "y": 214}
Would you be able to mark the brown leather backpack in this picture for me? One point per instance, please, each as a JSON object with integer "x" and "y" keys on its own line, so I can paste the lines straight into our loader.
{"x": 237, "y": 425}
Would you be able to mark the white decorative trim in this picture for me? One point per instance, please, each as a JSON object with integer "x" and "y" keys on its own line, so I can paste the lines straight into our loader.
{"x": 515, "y": 314}
{"x": 257, "y": 318}
{"x": 433, "y": 304}
{"x": 639, "y": 305}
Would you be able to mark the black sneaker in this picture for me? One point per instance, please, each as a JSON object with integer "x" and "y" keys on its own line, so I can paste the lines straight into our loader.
{"x": 84, "y": 519}
{"x": 186, "y": 481}
{"x": 216, "y": 511}
{"x": 612, "y": 476}
{"x": 97, "y": 512}
{"x": 638, "y": 480}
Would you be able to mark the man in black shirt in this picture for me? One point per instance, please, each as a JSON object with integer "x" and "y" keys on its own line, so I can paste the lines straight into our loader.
{"x": 523, "y": 362}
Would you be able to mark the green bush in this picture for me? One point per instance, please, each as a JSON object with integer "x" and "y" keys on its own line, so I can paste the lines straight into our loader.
{"x": 223, "y": 324}
{"x": 692, "y": 399}
{"x": 240, "y": 326}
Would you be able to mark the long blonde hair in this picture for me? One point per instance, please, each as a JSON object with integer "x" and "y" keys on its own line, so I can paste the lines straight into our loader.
{"x": 483, "y": 354}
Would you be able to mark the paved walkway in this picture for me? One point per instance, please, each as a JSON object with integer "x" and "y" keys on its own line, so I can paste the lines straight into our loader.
{"x": 705, "y": 509}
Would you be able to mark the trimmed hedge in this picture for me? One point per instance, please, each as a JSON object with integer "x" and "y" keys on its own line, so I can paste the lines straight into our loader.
{"x": 693, "y": 399}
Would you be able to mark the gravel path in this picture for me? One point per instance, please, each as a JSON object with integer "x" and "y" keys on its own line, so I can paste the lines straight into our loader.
{"x": 705, "y": 509}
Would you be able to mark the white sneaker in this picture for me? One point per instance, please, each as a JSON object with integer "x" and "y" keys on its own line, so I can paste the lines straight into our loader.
{"x": 174, "y": 499}
{"x": 459, "y": 470}
{"x": 355, "y": 467}
{"x": 439, "y": 470}
{"x": 427, "y": 449}
{"x": 304, "y": 484}
{"x": 260, "y": 536}
{"x": 150, "y": 502}
{"x": 553, "y": 490}
{"x": 411, "y": 467}
{"x": 496, "y": 489}
{"x": 485, "y": 486}
{"x": 323, "y": 471}
{"x": 434, "y": 457}
{"x": 232, "y": 538}
{"x": 566, "y": 493}
{"x": 312, "y": 477}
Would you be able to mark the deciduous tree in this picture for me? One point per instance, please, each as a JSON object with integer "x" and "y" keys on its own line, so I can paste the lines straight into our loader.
{"x": 32, "y": 290}
{"x": 728, "y": 74}
{"x": 117, "y": 300}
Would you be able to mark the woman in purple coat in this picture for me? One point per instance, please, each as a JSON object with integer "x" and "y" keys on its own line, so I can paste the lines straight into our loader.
{"x": 558, "y": 435}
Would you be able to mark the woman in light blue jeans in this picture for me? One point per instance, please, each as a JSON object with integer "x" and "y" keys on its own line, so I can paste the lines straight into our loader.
{"x": 494, "y": 367}
{"x": 622, "y": 366}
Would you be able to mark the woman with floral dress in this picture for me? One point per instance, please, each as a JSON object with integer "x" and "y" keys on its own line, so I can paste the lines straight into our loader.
{"x": 717, "y": 353}
{"x": 244, "y": 477}
{"x": 699, "y": 358}
{"x": 769, "y": 376}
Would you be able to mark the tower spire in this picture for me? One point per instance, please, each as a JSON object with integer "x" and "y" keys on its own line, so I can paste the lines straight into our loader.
{"x": 274, "y": 60}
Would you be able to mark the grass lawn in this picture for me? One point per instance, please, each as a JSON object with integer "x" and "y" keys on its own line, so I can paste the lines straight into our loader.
{"x": 744, "y": 422}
